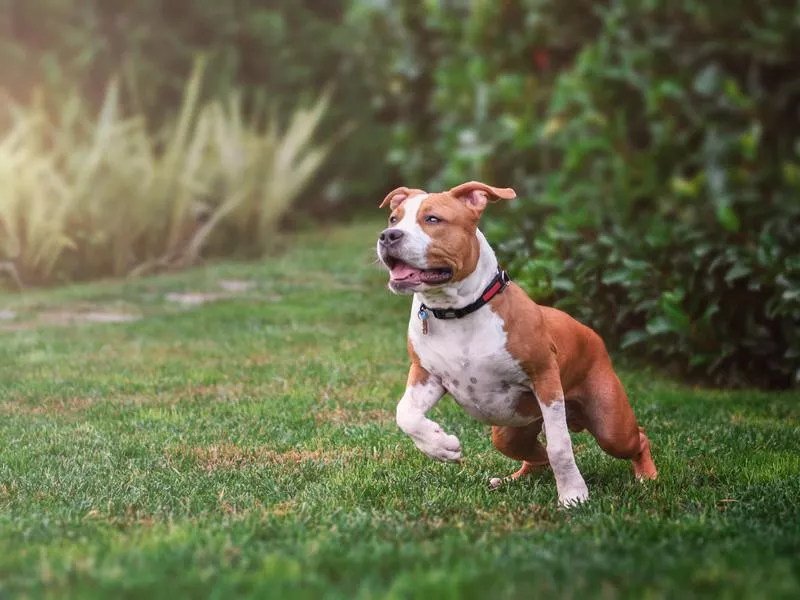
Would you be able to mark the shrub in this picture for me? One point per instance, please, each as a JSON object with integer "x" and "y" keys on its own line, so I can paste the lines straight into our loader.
{"x": 656, "y": 146}
{"x": 92, "y": 197}
{"x": 287, "y": 50}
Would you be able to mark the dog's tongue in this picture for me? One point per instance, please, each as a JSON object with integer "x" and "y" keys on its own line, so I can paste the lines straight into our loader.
{"x": 403, "y": 272}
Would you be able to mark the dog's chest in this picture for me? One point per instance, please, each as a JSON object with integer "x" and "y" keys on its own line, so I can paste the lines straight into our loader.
{"x": 471, "y": 359}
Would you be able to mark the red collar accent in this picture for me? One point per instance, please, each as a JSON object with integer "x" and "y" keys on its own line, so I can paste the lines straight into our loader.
{"x": 497, "y": 285}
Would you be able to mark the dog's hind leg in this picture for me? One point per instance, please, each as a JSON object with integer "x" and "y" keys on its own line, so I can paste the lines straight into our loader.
{"x": 520, "y": 443}
{"x": 610, "y": 419}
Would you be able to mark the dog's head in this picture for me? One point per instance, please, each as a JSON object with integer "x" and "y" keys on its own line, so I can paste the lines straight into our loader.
{"x": 432, "y": 239}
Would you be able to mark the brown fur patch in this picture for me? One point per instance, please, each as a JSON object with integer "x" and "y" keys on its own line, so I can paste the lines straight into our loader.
{"x": 567, "y": 360}
{"x": 521, "y": 443}
{"x": 453, "y": 240}
{"x": 397, "y": 196}
{"x": 416, "y": 373}
{"x": 554, "y": 349}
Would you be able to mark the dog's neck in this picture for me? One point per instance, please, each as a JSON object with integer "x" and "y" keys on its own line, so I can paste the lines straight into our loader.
{"x": 466, "y": 291}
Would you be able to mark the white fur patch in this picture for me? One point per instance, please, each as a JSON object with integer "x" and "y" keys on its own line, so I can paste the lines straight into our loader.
{"x": 569, "y": 481}
{"x": 469, "y": 355}
{"x": 411, "y": 208}
{"x": 414, "y": 247}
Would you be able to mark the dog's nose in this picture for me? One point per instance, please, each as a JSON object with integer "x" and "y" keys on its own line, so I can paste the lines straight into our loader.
{"x": 391, "y": 236}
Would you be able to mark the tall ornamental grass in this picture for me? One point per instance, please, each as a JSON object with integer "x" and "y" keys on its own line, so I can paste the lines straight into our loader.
{"x": 85, "y": 196}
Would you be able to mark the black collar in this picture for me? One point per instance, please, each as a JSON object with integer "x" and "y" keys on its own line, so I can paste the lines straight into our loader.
{"x": 497, "y": 285}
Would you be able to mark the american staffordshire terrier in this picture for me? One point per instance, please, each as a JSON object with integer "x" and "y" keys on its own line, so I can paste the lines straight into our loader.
{"x": 505, "y": 360}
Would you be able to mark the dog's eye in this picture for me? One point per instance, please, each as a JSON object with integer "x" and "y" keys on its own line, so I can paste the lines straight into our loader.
{"x": 432, "y": 219}
{"x": 392, "y": 220}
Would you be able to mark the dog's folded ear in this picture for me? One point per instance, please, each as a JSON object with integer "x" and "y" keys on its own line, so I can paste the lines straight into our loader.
{"x": 476, "y": 194}
{"x": 396, "y": 197}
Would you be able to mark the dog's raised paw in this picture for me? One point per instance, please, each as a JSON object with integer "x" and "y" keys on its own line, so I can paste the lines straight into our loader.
{"x": 440, "y": 446}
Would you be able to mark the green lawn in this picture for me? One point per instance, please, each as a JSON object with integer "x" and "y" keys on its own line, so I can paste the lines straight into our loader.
{"x": 247, "y": 447}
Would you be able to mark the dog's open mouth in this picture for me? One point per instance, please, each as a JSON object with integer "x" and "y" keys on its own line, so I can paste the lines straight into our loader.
{"x": 403, "y": 274}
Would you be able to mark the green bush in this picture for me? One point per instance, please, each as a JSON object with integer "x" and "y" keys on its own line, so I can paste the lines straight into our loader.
{"x": 656, "y": 147}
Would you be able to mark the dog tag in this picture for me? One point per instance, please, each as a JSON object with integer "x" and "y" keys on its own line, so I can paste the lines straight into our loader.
{"x": 424, "y": 316}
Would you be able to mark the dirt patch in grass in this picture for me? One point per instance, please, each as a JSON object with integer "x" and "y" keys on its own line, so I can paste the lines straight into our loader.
{"x": 132, "y": 517}
{"x": 508, "y": 518}
{"x": 351, "y": 415}
{"x": 52, "y": 406}
{"x": 191, "y": 394}
{"x": 221, "y": 393}
{"x": 191, "y": 299}
{"x": 23, "y": 326}
{"x": 138, "y": 518}
{"x": 195, "y": 298}
{"x": 35, "y": 317}
{"x": 231, "y": 288}
{"x": 60, "y": 407}
{"x": 231, "y": 456}
{"x": 281, "y": 509}
{"x": 66, "y": 317}
{"x": 236, "y": 285}
{"x": 69, "y": 317}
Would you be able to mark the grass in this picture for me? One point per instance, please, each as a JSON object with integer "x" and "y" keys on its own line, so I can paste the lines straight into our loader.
{"x": 246, "y": 447}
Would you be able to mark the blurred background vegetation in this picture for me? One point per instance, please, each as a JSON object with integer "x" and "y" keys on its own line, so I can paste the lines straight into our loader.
{"x": 654, "y": 144}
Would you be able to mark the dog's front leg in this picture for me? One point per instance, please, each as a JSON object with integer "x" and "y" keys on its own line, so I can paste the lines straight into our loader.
{"x": 569, "y": 481}
{"x": 423, "y": 391}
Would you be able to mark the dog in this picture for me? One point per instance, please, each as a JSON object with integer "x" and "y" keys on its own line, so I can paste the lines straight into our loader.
{"x": 506, "y": 360}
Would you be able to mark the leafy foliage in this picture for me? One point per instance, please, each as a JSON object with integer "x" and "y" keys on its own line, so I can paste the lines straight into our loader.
{"x": 282, "y": 51}
{"x": 87, "y": 197}
{"x": 656, "y": 147}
